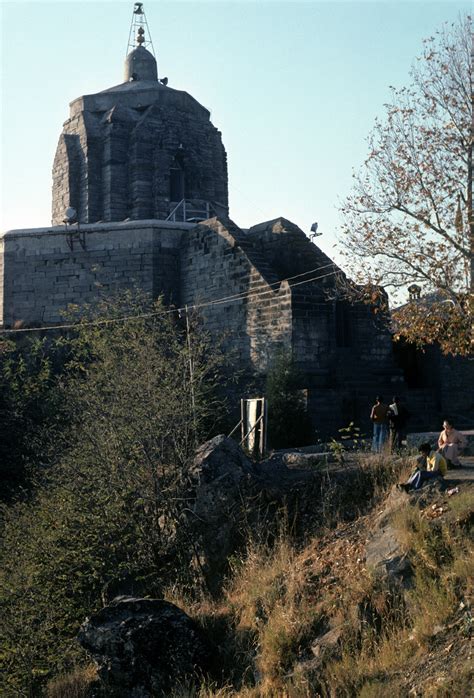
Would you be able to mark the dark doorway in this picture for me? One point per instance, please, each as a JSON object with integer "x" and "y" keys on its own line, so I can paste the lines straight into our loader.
{"x": 177, "y": 179}
{"x": 343, "y": 324}
{"x": 411, "y": 361}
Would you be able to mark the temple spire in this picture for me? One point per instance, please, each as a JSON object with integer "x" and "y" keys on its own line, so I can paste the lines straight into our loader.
{"x": 140, "y": 61}
{"x": 139, "y": 34}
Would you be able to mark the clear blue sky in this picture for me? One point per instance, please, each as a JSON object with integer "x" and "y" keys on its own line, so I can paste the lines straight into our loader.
{"x": 293, "y": 86}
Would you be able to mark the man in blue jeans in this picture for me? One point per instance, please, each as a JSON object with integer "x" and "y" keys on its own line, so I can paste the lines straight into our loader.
{"x": 378, "y": 416}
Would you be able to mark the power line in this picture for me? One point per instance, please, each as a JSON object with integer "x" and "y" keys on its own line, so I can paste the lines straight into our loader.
{"x": 262, "y": 292}
{"x": 218, "y": 301}
{"x": 269, "y": 286}
{"x": 196, "y": 306}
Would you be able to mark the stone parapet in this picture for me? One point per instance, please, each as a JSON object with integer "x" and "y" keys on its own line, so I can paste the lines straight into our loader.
{"x": 48, "y": 269}
{"x": 431, "y": 437}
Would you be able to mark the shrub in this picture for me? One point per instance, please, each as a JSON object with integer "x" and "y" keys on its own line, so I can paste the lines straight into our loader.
{"x": 288, "y": 421}
{"x": 108, "y": 511}
{"x": 30, "y": 410}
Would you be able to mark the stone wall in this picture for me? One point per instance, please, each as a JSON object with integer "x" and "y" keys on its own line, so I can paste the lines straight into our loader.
{"x": 256, "y": 318}
{"x": 343, "y": 352}
{"x": 46, "y": 269}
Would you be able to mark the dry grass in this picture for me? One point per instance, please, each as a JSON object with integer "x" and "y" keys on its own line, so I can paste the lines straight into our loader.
{"x": 271, "y": 599}
{"x": 76, "y": 684}
{"x": 279, "y": 598}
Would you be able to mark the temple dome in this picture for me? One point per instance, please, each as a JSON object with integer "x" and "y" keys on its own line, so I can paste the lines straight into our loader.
{"x": 140, "y": 64}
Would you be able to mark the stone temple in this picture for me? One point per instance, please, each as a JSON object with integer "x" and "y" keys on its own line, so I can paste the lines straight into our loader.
{"x": 140, "y": 201}
{"x": 135, "y": 151}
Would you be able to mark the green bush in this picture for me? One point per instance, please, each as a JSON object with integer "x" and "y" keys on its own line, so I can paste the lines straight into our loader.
{"x": 29, "y": 408}
{"x": 108, "y": 511}
{"x": 288, "y": 421}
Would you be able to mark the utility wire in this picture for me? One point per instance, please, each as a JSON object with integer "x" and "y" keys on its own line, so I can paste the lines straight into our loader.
{"x": 218, "y": 301}
{"x": 254, "y": 293}
{"x": 268, "y": 287}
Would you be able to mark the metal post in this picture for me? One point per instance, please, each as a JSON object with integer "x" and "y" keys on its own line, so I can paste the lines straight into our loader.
{"x": 191, "y": 373}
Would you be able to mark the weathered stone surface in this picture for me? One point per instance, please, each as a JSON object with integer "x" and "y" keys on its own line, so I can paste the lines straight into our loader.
{"x": 136, "y": 150}
{"x": 221, "y": 475}
{"x": 384, "y": 554}
{"x": 327, "y": 642}
{"x": 144, "y": 647}
{"x": 384, "y": 550}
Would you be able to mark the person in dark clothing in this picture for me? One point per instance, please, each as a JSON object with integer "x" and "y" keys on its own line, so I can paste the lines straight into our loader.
{"x": 397, "y": 416}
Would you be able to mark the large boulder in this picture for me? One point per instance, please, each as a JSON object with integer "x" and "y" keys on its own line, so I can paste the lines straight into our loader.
{"x": 221, "y": 476}
{"x": 384, "y": 550}
{"x": 230, "y": 494}
{"x": 144, "y": 647}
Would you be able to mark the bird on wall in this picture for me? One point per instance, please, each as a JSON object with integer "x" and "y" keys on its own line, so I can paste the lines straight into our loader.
{"x": 314, "y": 231}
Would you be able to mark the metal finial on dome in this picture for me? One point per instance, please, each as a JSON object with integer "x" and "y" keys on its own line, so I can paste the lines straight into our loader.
{"x": 139, "y": 30}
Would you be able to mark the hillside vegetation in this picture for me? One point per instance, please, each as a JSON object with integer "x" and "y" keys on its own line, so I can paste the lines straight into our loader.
{"x": 316, "y": 620}
{"x": 305, "y": 608}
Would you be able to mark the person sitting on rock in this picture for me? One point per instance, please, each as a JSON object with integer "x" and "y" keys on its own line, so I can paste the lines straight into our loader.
{"x": 430, "y": 465}
{"x": 450, "y": 442}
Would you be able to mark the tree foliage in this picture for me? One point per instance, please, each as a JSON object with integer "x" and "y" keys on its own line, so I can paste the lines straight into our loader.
{"x": 30, "y": 410}
{"x": 108, "y": 511}
{"x": 288, "y": 421}
{"x": 409, "y": 217}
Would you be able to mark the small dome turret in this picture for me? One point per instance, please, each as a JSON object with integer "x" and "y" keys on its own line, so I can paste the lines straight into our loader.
{"x": 140, "y": 64}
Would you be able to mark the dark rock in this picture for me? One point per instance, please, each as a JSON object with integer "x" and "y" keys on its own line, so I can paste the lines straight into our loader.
{"x": 221, "y": 475}
{"x": 227, "y": 489}
{"x": 144, "y": 647}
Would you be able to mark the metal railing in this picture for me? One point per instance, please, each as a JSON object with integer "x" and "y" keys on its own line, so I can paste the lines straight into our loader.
{"x": 188, "y": 210}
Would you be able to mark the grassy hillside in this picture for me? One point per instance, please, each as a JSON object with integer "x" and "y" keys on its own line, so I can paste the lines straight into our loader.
{"x": 313, "y": 618}
{"x": 105, "y": 424}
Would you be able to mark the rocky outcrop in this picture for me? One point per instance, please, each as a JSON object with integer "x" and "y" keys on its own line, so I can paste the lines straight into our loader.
{"x": 230, "y": 494}
{"x": 144, "y": 647}
{"x": 385, "y": 553}
{"x": 221, "y": 475}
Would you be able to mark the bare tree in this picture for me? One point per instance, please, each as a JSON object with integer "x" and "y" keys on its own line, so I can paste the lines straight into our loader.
{"x": 409, "y": 217}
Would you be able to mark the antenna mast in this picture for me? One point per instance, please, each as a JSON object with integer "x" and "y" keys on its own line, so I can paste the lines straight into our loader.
{"x": 139, "y": 30}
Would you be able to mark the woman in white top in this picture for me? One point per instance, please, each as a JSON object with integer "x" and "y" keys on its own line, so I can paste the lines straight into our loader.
{"x": 451, "y": 442}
